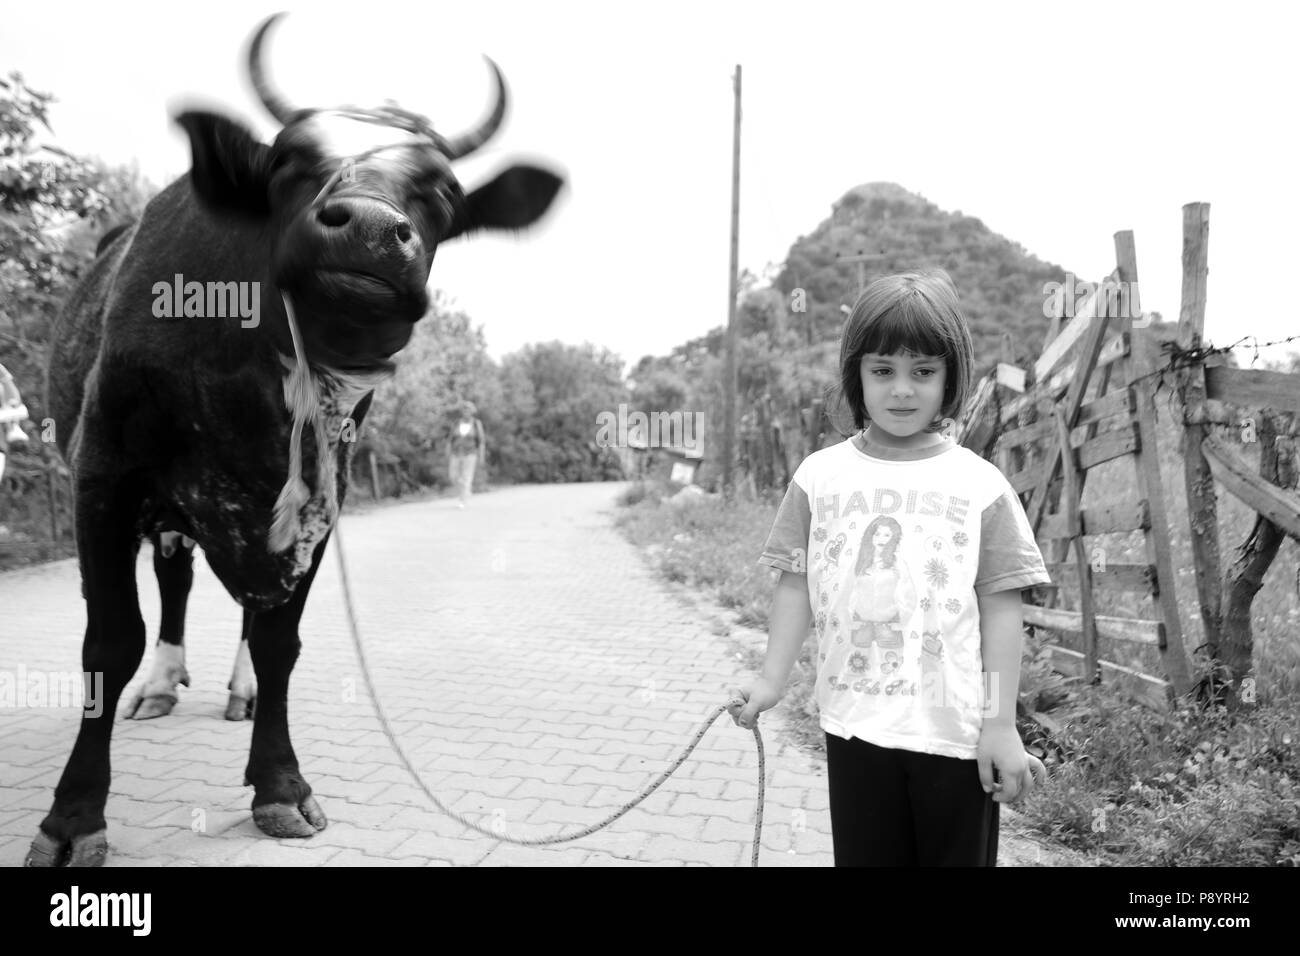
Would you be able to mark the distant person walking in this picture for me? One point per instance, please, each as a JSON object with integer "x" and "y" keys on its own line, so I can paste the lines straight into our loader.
{"x": 467, "y": 449}
{"x": 12, "y": 412}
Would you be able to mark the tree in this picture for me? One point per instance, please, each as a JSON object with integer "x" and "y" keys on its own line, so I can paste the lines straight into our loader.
{"x": 52, "y": 207}
{"x": 553, "y": 395}
{"x": 445, "y": 363}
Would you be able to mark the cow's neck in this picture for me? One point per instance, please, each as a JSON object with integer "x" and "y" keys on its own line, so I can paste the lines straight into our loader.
{"x": 323, "y": 398}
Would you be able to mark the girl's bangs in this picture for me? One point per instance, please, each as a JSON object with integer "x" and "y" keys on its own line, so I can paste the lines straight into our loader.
{"x": 906, "y": 327}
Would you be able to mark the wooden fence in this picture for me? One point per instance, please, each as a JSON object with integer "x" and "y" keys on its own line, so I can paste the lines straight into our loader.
{"x": 1090, "y": 398}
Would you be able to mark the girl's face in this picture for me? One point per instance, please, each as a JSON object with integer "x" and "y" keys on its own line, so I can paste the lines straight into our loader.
{"x": 882, "y": 536}
{"x": 903, "y": 394}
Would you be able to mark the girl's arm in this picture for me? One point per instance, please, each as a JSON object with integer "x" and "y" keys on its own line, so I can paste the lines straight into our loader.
{"x": 787, "y": 628}
{"x": 1001, "y": 636}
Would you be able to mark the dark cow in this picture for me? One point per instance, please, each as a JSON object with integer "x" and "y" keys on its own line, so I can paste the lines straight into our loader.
{"x": 231, "y": 432}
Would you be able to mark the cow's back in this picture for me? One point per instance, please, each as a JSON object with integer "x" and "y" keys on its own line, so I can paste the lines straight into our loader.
{"x": 76, "y": 338}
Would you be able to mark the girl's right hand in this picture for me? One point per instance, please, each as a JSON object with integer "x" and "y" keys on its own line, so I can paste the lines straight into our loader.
{"x": 745, "y": 705}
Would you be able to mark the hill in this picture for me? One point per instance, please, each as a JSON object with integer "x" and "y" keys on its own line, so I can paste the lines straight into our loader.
{"x": 1000, "y": 284}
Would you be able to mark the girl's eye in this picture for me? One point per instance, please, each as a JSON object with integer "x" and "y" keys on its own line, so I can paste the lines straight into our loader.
{"x": 881, "y": 371}
{"x": 925, "y": 371}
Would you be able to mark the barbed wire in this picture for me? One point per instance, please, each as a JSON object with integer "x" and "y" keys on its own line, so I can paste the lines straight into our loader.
{"x": 1184, "y": 358}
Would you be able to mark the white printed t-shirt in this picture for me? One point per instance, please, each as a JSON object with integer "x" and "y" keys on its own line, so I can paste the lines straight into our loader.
{"x": 899, "y": 661}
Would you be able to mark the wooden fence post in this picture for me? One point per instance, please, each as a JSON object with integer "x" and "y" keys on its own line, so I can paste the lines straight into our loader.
{"x": 1202, "y": 507}
{"x": 1150, "y": 489}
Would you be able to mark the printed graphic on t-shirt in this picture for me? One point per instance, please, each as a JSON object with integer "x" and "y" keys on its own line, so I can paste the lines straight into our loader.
{"x": 888, "y": 590}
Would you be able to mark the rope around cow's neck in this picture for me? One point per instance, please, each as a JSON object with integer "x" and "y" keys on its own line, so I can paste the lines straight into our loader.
{"x": 537, "y": 841}
{"x": 303, "y": 402}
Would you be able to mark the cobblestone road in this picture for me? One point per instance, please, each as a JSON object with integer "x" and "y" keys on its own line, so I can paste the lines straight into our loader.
{"x": 534, "y": 668}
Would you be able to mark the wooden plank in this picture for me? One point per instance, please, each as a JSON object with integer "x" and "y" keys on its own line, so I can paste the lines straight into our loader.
{"x": 1072, "y": 491}
{"x": 1101, "y": 519}
{"x": 1009, "y": 461}
{"x": 1026, "y": 479}
{"x": 1202, "y": 504}
{"x": 1276, "y": 504}
{"x": 1253, "y": 388}
{"x": 1112, "y": 445}
{"x": 1115, "y": 577}
{"x": 1027, "y": 435}
{"x": 1088, "y": 353}
{"x": 1131, "y": 629}
{"x": 1117, "y": 348}
{"x": 1090, "y": 416}
{"x": 1118, "y": 402}
{"x": 1159, "y": 549}
{"x": 1074, "y": 333}
{"x": 981, "y": 435}
{"x": 976, "y": 426}
{"x": 1012, "y": 376}
{"x": 1148, "y": 690}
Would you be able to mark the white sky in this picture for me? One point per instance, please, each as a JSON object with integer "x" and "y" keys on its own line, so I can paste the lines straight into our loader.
{"x": 1056, "y": 125}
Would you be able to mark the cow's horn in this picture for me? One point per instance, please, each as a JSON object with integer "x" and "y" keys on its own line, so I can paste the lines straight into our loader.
{"x": 466, "y": 143}
{"x": 275, "y": 104}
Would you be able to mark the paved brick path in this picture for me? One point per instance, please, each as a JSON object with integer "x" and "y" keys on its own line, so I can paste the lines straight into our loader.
{"x": 534, "y": 668}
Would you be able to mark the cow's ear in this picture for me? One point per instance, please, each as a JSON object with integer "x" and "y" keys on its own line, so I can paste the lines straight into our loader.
{"x": 516, "y": 198}
{"x": 230, "y": 169}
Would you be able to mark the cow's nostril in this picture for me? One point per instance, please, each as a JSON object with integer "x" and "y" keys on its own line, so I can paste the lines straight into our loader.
{"x": 403, "y": 232}
{"x": 334, "y": 215}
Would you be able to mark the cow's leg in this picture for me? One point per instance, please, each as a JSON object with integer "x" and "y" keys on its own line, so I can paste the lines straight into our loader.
{"x": 242, "y": 703}
{"x": 173, "y": 564}
{"x": 282, "y": 804}
{"x": 74, "y": 831}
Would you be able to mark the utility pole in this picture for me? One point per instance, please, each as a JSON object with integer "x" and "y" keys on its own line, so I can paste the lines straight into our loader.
{"x": 862, "y": 259}
{"x": 730, "y": 386}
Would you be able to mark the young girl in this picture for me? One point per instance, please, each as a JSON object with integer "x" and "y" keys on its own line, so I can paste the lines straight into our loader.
{"x": 919, "y": 633}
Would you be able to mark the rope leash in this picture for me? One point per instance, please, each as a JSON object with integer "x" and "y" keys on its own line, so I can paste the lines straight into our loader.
{"x": 561, "y": 837}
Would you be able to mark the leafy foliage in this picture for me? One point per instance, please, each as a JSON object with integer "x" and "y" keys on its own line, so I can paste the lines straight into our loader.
{"x": 445, "y": 363}
{"x": 551, "y": 397}
{"x": 53, "y": 206}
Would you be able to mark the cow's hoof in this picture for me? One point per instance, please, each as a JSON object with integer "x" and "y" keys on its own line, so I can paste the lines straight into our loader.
{"x": 88, "y": 849}
{"x": 155, "y": 705}
{"x": 286, "y": 820}
{"x": 241, "y": 708}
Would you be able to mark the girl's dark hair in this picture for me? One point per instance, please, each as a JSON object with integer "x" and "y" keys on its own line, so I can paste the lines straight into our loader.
{"x": 868, "y": 546}
{"x": 914, "y": 312}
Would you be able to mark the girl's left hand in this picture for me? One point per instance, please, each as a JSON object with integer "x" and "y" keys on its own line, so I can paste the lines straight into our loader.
{"x": 1000, "y": 748}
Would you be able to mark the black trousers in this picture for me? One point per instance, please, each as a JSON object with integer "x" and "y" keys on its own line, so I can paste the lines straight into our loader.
{"x": 894, "y": 807}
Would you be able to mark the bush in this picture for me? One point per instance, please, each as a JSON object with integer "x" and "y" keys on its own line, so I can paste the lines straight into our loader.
{"x": 1191, "y": 787}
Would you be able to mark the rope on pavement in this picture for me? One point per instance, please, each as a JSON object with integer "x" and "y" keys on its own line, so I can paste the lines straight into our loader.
{"x": 561, "y": 837}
